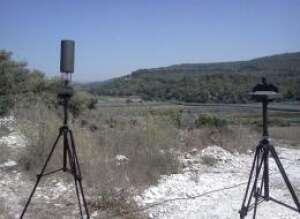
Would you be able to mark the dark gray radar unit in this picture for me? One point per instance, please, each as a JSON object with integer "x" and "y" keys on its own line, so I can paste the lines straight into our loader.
{"x": 265, "y": 91}
{"x": 67, "y": 56}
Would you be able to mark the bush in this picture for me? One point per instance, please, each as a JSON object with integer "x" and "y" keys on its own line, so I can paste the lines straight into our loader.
{"x": 175, "y": 115}
{"x": 82, "y": 101}
{"x": 210, "y": 121}
{"x": 209, "y": 160}
{"x": 5, "y": 105}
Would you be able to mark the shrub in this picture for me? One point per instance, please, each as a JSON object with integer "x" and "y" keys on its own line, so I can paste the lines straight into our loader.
{"x": 82, "y": 101}
{"x": 175, "y": 114}
{"x": 209, "y": 160}
{"x": 210, "y": 121}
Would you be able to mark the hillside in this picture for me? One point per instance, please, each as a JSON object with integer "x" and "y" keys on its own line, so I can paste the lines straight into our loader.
{"x": 227, "y": 82}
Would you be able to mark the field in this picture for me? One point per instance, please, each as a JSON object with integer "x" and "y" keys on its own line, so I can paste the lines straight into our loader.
{"x": 129, "y": 150}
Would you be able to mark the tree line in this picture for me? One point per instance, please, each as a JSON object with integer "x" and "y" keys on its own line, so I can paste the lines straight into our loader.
{"x": 207, "y": 83}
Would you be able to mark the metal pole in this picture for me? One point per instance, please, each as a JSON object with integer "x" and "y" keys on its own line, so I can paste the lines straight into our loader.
{"x": 265, "y": 118}
{"x": 65, "y": 103}
{"x": 266, "y": 173}
{"x": 65, "y": 124}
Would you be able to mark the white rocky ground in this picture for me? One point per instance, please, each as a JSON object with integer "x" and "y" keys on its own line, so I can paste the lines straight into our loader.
{"x": 198, "y": 191}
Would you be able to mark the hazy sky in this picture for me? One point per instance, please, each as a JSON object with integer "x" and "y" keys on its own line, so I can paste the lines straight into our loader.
{"x": 115, "y": 37}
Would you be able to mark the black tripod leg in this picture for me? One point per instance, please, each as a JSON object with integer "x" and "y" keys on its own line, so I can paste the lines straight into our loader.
{"x": 258, "y": 165}
{"x": 65, "y": 152}
{"x": 248, "y": 185}
{"x": 266, "y": 174}
{"x": 255, "y": 203}
{"x": 79, "y": 178}
{"x": 39, "y": 176}
{"x": 255, "y": 190}
{"x": 286, "y": 179}
{"x": 71, "y": 157}
{"x": 261, "y": 185}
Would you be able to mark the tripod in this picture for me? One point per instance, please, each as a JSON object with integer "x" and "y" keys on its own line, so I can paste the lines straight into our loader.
{"x": 70, "y": 159}
{"x": 260, "y": 167}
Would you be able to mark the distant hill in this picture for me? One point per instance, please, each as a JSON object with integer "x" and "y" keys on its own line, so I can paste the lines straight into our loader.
{"x": 226, "y": 82}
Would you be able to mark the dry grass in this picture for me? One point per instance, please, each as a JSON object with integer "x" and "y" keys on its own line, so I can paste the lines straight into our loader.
{"x": 40, "y": 126}
{"x": 289, "y": 134}
{"x": 232, "y": 138}
{"x": 146, "y": 141}
{"x": 119, "y": 205}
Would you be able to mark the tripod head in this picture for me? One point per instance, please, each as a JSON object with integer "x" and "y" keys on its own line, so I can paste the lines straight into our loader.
{"x": 265, "y": 93}
{"x": 65, "y": 92}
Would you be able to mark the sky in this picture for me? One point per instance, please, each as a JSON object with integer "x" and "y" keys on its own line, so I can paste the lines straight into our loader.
{"x": 116, "y": 37}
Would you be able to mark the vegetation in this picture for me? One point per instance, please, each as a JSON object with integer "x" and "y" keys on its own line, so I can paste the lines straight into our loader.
{"x": 18, "y": 84}
{"x": 118, "y": 151}
{"x": 228, "y": 82}
{"x": 211, "y": 121}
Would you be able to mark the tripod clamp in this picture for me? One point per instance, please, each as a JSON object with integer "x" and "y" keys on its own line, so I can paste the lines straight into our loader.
{"x": 265, "y": 93}
{"x": 64, "y": 95}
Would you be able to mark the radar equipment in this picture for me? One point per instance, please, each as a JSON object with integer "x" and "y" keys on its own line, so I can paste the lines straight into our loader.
{"x": 260, "y": 191}
{"x": 70, "y": 158}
